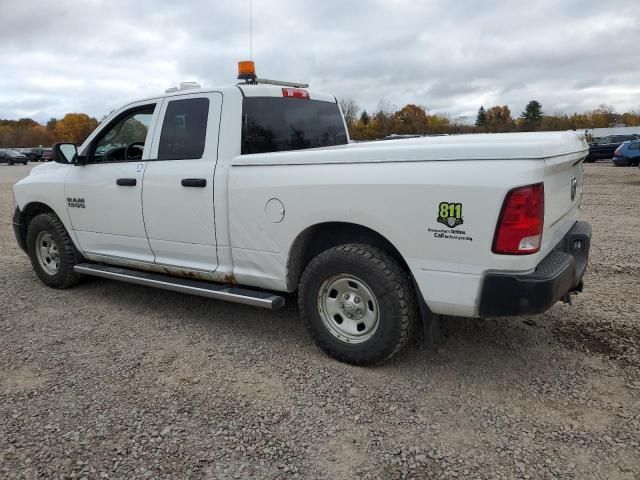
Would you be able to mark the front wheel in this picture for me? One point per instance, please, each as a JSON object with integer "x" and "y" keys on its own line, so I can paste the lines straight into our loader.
{"x": 51, "y": 251}
{"x": 357, "y": 303}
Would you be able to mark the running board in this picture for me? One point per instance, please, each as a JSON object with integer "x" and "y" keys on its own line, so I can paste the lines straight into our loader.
{"x": 217, "y": 291}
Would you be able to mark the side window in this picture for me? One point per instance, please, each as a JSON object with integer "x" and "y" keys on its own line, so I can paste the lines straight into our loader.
{"x": 124, "y": 140}
{"x": 184, "y": 129}
{"x": 634, "y": 146}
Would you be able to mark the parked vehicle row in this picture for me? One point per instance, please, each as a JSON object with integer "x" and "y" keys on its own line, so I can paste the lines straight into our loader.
{"x": 25, "y": 155}
{"x": 604, "y": 148}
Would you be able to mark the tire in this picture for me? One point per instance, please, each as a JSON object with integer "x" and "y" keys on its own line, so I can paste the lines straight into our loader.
{"x": 374, "y": 274}
{"x": 47, "y": 229}
{"x": 10, "y": 163}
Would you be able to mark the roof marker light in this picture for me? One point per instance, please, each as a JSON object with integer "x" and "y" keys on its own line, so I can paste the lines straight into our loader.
{"x": 189, "y": 85}
{"x": 295, "y": 93}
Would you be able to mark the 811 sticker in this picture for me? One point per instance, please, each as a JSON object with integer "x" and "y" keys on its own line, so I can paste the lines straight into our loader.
{"x": 450, "y": 214}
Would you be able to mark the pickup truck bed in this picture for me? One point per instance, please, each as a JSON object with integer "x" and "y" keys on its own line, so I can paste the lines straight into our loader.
{"x": 394, "y": 188}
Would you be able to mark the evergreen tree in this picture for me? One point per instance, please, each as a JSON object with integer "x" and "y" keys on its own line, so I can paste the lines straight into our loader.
{"x": 481, "y": 119}
{"x": 532, "y": 114}
{"x": 364, "y": 118}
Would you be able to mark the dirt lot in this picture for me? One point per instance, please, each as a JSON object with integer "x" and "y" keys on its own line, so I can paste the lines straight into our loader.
{"x": 109, "y": 380}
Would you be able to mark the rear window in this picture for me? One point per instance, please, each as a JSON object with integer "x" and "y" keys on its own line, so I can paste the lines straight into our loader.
{"x": 623, "y": 138}
{"x": 272, "y": 124}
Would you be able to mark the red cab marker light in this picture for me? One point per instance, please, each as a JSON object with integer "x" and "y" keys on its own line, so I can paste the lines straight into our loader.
{"x": 295, "y": 93}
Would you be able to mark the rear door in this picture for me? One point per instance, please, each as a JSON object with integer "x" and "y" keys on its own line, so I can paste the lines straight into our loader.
{"x": 177, "y": 197}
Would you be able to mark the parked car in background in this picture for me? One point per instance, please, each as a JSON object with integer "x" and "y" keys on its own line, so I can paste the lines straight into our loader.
{"x": 33, "y": 154}
{"x": 627, "y": 154}
{"x": 47, "y": 155}
{"x": 11, "y": 157}
{"x": 605, "y": 146}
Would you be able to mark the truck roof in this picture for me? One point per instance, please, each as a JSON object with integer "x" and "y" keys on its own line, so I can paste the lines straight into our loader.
{"x": 247, "y": 90}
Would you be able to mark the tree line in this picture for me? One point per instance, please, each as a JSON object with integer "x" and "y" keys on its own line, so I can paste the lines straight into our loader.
{"x": 415, "y": 119}
{"x": 387, "y": 119}
{"x": 73, "y": 127}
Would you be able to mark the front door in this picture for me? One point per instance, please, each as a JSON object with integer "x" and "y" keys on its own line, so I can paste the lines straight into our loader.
{"x": 104, "y": 196}
{"x": 177, "y": 197}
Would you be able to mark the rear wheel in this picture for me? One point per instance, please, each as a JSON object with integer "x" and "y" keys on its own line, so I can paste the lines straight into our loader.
{"x": 358, "y": 304}
{"x": 51, "y": 251}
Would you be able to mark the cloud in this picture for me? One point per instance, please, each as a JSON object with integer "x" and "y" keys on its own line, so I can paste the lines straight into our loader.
{"x": 92, "y": 56}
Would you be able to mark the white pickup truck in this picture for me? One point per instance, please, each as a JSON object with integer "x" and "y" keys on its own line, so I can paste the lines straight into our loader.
{"x": 242, "y": 192}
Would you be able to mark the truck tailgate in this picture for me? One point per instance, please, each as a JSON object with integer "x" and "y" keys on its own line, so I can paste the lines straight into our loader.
{"x": 563, "y": 191}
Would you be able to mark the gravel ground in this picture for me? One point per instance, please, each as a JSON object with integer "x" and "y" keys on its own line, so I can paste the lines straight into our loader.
{"x": 109, "y": 380}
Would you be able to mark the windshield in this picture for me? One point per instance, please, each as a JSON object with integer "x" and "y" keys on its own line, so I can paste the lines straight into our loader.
{"x": 274, "y": 124}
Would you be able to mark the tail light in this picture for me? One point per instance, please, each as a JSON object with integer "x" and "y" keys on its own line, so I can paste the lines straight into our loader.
{"x": 519, "y": 230}
{"x": 617, "y": 152}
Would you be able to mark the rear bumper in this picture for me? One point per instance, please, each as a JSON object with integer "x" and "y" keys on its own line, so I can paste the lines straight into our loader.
{"x": 624, "y": 161}
{"x": 556, "y": 275}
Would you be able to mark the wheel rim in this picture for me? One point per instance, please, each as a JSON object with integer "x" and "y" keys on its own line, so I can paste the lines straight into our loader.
{"x": 348, "y": 308}
{"x": 47, "y": 253}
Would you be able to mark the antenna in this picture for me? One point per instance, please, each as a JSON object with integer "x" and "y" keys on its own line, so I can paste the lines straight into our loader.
{"x": 250, "y": 29}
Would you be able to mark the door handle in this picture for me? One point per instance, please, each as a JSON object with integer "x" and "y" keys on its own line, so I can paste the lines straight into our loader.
{"x": 126, "y": 182}
{"x": 194, "y": 182}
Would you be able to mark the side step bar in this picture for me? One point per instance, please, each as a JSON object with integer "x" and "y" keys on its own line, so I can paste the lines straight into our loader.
{"x": 229, "y": 293}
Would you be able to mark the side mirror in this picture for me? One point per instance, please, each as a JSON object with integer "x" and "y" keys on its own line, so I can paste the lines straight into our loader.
{"x": 64, "y": 153}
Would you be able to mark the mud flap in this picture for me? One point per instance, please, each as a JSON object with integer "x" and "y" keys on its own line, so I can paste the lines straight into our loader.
{"x": 431, "y": 335}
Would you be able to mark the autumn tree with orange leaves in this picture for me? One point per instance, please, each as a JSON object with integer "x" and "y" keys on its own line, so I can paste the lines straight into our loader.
{"x": 74, "y": 128}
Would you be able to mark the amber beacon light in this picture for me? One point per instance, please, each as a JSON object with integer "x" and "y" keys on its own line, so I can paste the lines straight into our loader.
{"x": 246, "y": 70}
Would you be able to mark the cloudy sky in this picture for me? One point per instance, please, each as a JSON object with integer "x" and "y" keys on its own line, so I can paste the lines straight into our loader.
{"x": 451, "y": 56}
